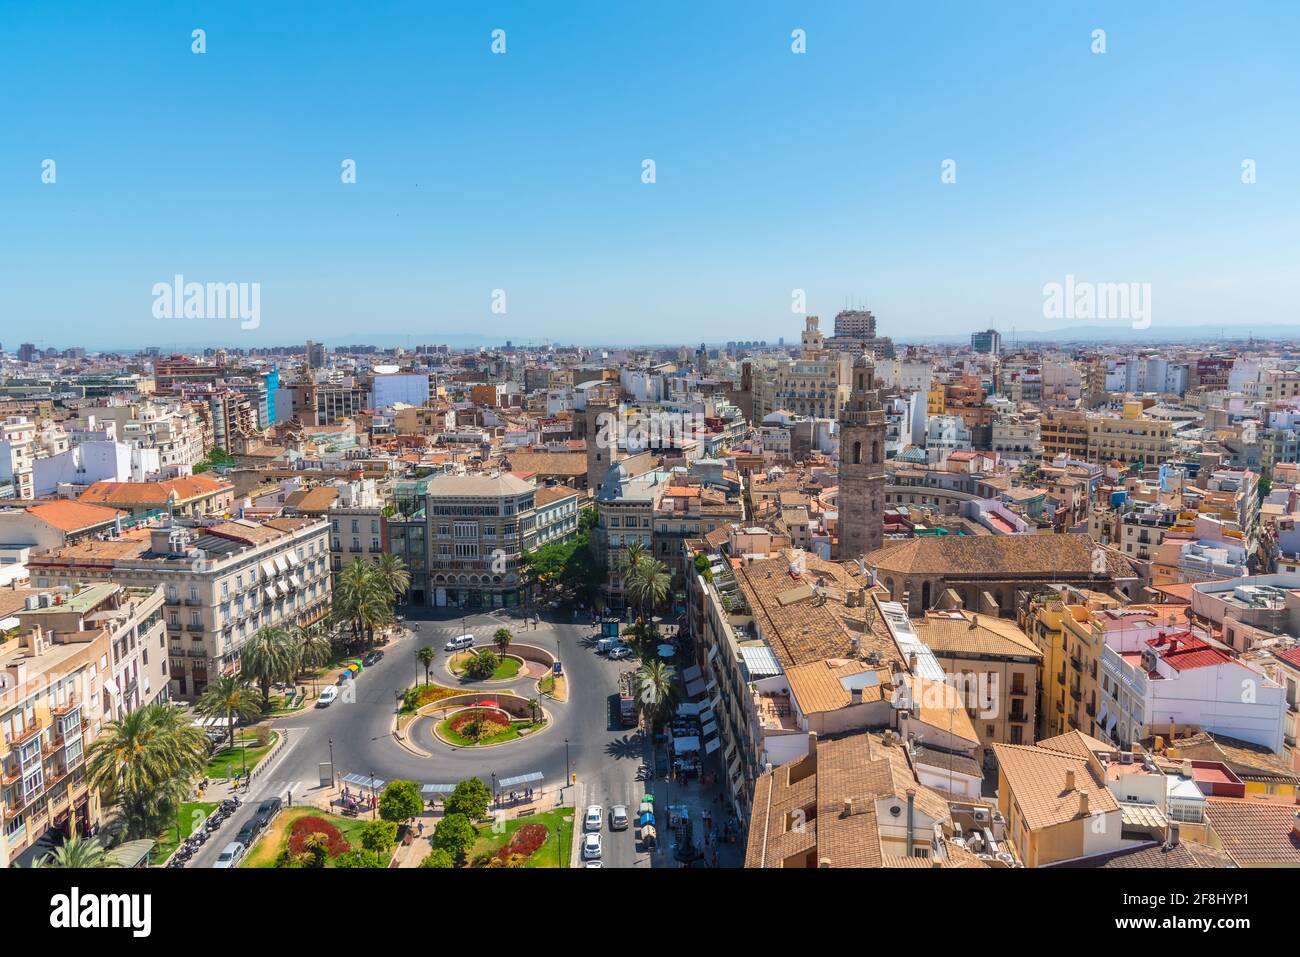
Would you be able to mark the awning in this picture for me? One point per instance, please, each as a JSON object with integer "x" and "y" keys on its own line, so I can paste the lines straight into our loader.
{"x": 363, "y": 781}
{"x": 269, "y": 593}
{"x": 692, "y": 673}
{"x": 716, "y": 700}
{"x": 686, "y": 744}
{"x": 708, "y": 730}
{"x": 294, "y": 581}
{"x": 712, "y": 745}
{"x": 688, "y": 708}
{"x": 760, "y": 662}
{"x": 706, "y": 715}
{"x": 294, "y": 560}
{"x": 532, "y": 777}
{"x": 695, "y": 688}
{"x": 437, "y": 789}
{"x": 268, "y": 569}
{"x": 281, "y": 563}
{"x": 713, "y": 653}
{"x": 111, "y": 687}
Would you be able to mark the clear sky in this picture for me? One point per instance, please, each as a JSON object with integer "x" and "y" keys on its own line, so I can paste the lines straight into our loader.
{"x": 523, "y": 171}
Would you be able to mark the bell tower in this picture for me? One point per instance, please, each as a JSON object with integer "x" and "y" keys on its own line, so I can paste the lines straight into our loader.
{"x": 862, "y": 465}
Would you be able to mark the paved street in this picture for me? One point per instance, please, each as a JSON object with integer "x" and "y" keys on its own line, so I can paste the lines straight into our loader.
{"x": 604, "y": 755}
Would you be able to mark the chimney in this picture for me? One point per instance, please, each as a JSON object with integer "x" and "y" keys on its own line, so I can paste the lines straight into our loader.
{"x": 1295, "y": 825}
{"x": 824, "y": 862}
{"x": 1187, "y": 768}
{"x": 1083, "y": 803}
{"x": 1173, "y": 834}
{"x": 911, "y": 662}
{"x": 1069, "y": 780}
{"x": 848, "y": 807}
{"x": 974, "y": 622}
{"x": 888, "y": 738}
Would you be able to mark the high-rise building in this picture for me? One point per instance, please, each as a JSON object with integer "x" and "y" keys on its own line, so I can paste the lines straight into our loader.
{"x": 855, "y": 324}
{"x": 988, "y": 341}
{"x": 862, "y": 465}
{"x": 315, "y": 355}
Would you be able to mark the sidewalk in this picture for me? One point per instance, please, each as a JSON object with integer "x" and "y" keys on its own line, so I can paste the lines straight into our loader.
{"x": 697, "y": 798}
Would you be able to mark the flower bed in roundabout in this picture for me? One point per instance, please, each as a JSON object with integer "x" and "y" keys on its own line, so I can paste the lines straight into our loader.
{"x": 482, "y": 725}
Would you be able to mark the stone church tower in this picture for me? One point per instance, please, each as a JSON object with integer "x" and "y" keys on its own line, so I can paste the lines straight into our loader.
{"x": 862, "y": 465}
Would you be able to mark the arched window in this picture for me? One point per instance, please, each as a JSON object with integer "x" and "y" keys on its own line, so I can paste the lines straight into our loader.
{"x": 857, "y": 453}
{"x": 875, "y": 453}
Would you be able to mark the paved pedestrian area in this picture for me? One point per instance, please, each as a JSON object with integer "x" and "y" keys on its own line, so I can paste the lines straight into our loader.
{"x": 700, "y": 800}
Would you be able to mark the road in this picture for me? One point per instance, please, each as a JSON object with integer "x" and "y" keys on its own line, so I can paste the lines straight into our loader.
{"x": 584, "y": 731}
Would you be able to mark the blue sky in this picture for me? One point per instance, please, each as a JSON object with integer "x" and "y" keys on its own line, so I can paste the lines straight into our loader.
{"x": 522, "y": 171}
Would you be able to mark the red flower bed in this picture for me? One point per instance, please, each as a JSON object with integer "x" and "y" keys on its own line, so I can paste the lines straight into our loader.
{"x": 491, "y": 716}
{"x": 525, "y": 841}
{"x": 305, "y": 827}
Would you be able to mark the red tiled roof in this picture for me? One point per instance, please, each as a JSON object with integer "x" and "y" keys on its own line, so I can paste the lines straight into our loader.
{"x": 69, "y": 516}
{"x": 1185, "y": 651}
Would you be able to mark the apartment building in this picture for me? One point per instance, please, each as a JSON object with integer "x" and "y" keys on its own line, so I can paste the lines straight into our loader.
{"x": 17, "y": 436}
{"x": 1129, "y": 437}
{"x": 1064, "y": 432}
{"x": 223, "y": 580}
{"x": 78, "y": 658}
{"x": 476, "y": 528}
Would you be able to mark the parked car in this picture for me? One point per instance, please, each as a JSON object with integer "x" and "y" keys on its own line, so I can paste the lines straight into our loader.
{"x": 618, "y": 818}
{"x": 266, "y": 812}
{"x": 459, "y": 643}
{"x": 619, "y": 652}
{"x": 593, "y": 864}
{"x": 591, "y": 847}
{"x": 247, "y": 834}
{"x": 593, "y": 818}
{"x": 230, "y": 855}
{"x": 327, "y": 696}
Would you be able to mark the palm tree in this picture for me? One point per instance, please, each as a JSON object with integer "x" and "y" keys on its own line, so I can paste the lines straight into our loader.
{"x": 632, "y": 556}
{"x": 502, "y": 638}
{"x": 533, "y": 708}
{"x": 391, "y": 571}
{"x": 75, "y": 853}
{"x": 229, "y": 697}
{"x": 655, "y": 684}
{"x": 425, "y": 656}
{"x": 314, "y": 646}
{"x": 363, "y": 600}
{"x": 269, "y": 656}
{"x": 144, "y": 762}
{"x": 648, "y": 587}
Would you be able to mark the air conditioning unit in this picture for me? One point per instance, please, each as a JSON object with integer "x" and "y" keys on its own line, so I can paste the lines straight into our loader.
{"x": 981, "y": 815}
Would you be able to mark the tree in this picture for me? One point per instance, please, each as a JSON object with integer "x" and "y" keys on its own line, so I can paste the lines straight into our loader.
{"x": 426, "y": 656}
{"x": 392, "y": 574}
{"x": 229, "y": 697}
{"x": 655, "y": 688}
{"x": 75, "y": 853}
{"x": 379, "y": 836}
{"x": 502, "y": 638}
{"x": 438, "y": 858}
{"x": 455, "y": 835}
{"x": 482, "y": 664}
{"x": 363, "y": 600}
{"x": 533, "y": 709}
{"x": 314, "y": 646}
{"x": 401, "y": 801}
{"x": 316, "y": 850}
{"x": 647, "y": 586}
{"x": 470, "y": 797}
{"x": 269, "y": 656}
{"x": 144, "y": 762}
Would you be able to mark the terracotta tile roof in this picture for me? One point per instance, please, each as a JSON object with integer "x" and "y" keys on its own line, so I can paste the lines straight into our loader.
{"x": 1291, "y": 656}
{"x": 1185, "y": 651}
{"x": 552, "y": 493}
{"x": 1250, "y": 762}
{"x": 940, "y": 706}
{"x": 154, "y": 493}
{"x": 1184, "y": 854}
{"x": 1076, "y": 742}
{"x": 995, "y": 555}
{"x": 961, "y": 633}
{"x": 566, "y": 464}
{"x": 1254, "y": 832}
{"x": 857, "y": 768}
{"x": 816, "y": 686}
{"x": 317, "y": 499}
{"x": 1036, "y": 777}
{"x": 70, "y": 516}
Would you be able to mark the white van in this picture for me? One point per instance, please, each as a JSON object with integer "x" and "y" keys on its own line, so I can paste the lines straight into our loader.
{"x": 459, "y": 643}
{"x": 327, "y": 696}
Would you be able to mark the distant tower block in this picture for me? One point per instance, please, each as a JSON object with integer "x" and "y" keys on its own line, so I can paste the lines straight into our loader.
{"x": 862, "y": 465}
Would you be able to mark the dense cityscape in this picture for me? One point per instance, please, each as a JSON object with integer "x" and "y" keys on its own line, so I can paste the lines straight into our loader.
{"x": 839, "y": 603}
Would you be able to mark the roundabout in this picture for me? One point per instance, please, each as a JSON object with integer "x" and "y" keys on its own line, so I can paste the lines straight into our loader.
{"x": 478, "y": 720}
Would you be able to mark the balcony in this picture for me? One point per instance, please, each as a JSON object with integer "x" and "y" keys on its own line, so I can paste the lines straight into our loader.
{"x": 1020, "y": 692}
{"x": 1091, "y": 709}
{"x": 1017, "y": 717}
{"x": 1077, "y": 662}
{"x": 1076, "y": 694}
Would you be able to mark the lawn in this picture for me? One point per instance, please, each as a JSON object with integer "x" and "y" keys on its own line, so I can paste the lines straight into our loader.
{"x": 192, "y": 814}
{"x": 554, "y": 686}
{"x": 545, "y": 856}
{"x": 428, "y": 694}
{"x": 507, "y": 668}
{"x": 230, "y": 761}
{"x": 274, "y": 839}
{"x": 510, "y": 734}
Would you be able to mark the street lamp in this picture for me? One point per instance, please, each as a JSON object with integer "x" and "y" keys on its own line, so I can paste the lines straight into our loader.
{"x": 494, "y": 787}
{"x": 332, "y": 775}
{"x": 568, "y": 766}
{"x": 374, "y": 806}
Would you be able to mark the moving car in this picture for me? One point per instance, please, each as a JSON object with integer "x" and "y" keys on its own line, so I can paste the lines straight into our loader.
{"x": 230, "y": 855}
{"x": 372, "y": 659}
{"x": 591, "y": 847}
{"x": 619, "y": 652}
{"x": 618, "y": 818}
{"x": 593, "y": 818}
{"x": 459, "y": 643}
{"x": 327, "y": 696}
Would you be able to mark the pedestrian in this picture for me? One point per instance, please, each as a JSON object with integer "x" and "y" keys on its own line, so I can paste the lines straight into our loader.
{"x": 419, "y": 828}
